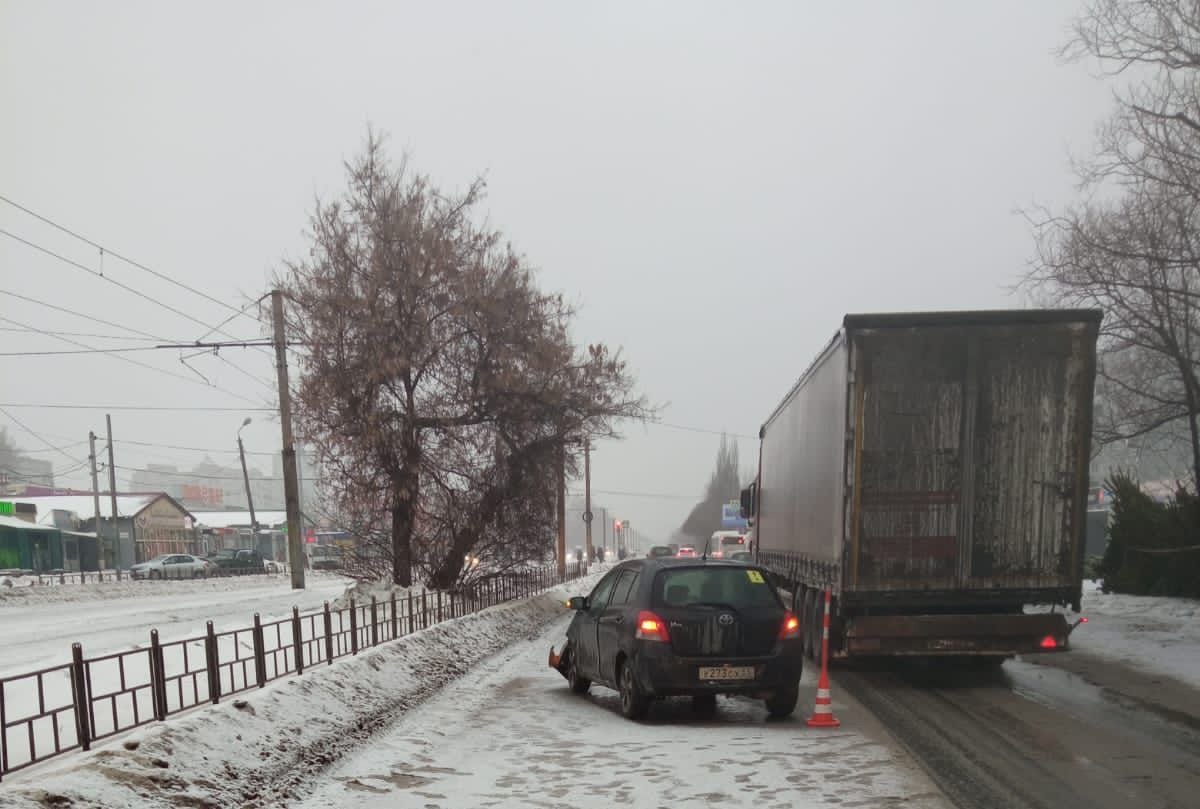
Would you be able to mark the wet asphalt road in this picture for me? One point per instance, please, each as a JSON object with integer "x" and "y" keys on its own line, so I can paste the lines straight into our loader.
{"x": 1065, "y": 731}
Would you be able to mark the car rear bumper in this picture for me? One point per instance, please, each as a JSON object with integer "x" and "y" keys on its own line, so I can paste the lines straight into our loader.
{"x": 662, "y": 673}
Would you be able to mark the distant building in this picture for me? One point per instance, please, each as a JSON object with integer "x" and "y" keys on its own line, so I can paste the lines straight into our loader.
{"x": 18, "y": 470}
{"x": 147, "y": 525}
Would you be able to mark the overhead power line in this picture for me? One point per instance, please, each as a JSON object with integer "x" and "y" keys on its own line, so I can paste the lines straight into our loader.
{"x": 29, "y": 430}
{"x": 151, "y": 408}
{"x": 140, "y": 294}
{"x": 650, "y": 495}
{"x": 172, "y": 374}
{"x": 684, "y": 428}
{"x": 119, "y": 350}
{"x": 107, "y": 251}
{"x": 82, "y": 315}
{"x": 91, "y": 335}
{"x": 189, "y": 449}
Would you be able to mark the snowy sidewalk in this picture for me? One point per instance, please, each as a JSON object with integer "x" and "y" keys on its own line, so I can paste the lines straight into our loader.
{"x": 1154, "y": 635}
{"x": 510, "y": 734}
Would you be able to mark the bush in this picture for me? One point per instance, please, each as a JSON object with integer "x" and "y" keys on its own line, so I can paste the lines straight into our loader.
{"x": 1137, "y": 528}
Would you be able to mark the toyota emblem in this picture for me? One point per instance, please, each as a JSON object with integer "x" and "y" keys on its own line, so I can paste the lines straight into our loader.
{"x": 725, "y": 620}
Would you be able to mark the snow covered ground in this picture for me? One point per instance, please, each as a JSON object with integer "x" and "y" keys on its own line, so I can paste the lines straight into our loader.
{"x": 41, "y": 623}
{"x": 512, "y": 735}
{"x": 467, "y": 714}
{"x": 1155, "y": 635}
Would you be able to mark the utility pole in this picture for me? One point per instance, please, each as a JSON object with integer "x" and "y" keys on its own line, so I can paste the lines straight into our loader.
{"x": 562, "y": 511}
{"x": 112, "y": 486}
{"x": 587, "y": 496}
{"x": 95, "y": 499}
{"x": 291, "y": 493}
{"x": 604, "y": 532}
{"x": 246, "y": 478}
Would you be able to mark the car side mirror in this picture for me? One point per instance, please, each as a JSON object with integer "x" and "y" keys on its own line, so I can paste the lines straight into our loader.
{"x": 578, "y": 603}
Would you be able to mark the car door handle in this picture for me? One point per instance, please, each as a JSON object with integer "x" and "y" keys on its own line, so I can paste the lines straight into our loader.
{"x": 615, "y": 620}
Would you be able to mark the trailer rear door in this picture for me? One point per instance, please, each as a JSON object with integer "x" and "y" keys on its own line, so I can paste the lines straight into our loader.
{"x": 970, "y": 445}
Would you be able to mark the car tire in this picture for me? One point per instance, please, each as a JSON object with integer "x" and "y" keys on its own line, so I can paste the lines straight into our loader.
{"x": 782, "y": 703}
{"x": 705, "y": 704}
{"x": 634, "y": 703}
{"x": 155, "y": 574}
{"x": 578, "y": 684}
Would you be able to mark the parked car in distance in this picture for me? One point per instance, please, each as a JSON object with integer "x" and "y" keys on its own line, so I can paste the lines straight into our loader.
{"x": 238, "y": 560}
{"x": 171, "y": 566}
{"x": 742, "y": 556}
{"x": 659, "y": 552}
{"x": 686, "y": 552}
{"x": 655, "y": 628}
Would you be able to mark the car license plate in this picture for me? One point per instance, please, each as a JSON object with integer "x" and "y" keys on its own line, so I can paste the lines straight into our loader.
{"x": 727, "y": 672}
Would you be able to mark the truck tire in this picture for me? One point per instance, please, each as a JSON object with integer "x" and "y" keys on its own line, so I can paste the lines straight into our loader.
{"x": 809, "y": 622}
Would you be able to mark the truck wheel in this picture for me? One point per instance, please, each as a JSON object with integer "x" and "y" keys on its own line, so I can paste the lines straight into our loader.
{"x": 809, "y": 622}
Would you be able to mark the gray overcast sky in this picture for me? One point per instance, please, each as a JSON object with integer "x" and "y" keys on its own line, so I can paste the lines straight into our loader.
{"x": 714, "y": 184}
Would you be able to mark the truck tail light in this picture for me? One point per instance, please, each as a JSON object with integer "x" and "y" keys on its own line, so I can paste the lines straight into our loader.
{"x": 1049, "y": 642}
{"x": 651, "y": 627}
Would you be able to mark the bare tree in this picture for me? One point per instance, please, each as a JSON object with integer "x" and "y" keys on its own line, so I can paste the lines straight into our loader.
{"x": 433, "y": 357}
{"x": 1154, "y": 135}
{"x": 723, "y": 486}
{"x": 1137, "y": 259}
{"x": 1131, "y": 248}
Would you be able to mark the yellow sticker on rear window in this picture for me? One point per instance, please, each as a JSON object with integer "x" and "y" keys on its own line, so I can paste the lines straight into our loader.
{"x": 755, "y": 576}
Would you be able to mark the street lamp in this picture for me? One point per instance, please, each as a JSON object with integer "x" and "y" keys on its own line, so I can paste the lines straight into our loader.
{"x": 246, "y": 478}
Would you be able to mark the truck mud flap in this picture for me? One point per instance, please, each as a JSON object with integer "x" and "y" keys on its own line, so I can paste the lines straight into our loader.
{"x": 956, "y": 634}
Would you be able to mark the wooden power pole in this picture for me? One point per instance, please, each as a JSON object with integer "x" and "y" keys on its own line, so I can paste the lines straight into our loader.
{"x": 112, "y": 491}
{"x": 291, "y": 488}
{"x": 95, "y": 499}
{"x": 587, "y": 495}
{"x": 561, "y": 474}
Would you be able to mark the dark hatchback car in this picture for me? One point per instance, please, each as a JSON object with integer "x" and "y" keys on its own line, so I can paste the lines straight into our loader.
{"x": 656, "y": 628}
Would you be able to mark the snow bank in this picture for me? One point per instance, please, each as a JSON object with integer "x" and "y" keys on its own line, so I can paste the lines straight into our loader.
{"x": 1153, "y": 634}
{"x": 260, "y": 750}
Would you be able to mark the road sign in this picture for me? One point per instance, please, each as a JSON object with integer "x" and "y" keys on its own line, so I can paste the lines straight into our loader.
{"x": 731, "y": 517}
{"x": 587, "y": 516}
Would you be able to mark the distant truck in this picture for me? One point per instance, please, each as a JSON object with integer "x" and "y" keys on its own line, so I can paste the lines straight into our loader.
{"x": 931, "y": 470}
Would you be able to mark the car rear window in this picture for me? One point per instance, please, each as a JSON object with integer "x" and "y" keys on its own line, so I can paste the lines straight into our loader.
{"x": 737, "y": 587}
{"x": 733, "y": 541}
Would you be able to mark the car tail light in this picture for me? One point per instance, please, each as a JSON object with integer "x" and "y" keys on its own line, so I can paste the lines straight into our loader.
{"x": 651, "y": 627}
{"x": 741, "y": 540}
{"x": 790, "y": 629}
{"x": 1049, "y": 642}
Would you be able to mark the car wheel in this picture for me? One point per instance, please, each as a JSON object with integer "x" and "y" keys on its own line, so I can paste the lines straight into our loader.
{"x": 783, "y": 702}
{"x": 156, "y": 574}
{"x": 579, "y": 685}
{"x": 634, "y": 704}
{"x": 705, "y": 704}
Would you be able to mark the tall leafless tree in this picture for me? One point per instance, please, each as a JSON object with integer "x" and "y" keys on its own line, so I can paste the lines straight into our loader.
{"x": 1131, "y": 247}
{"x": 432, "y": 355}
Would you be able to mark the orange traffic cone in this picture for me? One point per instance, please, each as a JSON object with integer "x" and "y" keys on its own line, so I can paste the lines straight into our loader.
{"x": 822, "y": 716}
